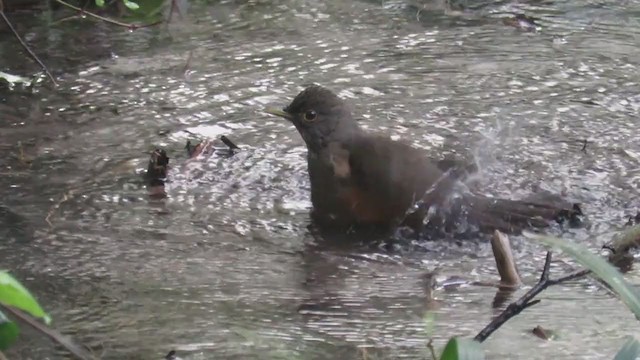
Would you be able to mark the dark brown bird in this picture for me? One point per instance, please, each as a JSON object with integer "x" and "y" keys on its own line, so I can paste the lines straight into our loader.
{"x": 360, "y": 179}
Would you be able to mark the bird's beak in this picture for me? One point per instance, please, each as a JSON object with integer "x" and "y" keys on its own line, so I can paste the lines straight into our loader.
{"x": 278, "y": 112}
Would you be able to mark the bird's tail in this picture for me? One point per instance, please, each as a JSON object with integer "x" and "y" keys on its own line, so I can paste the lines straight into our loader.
{"x": 513, "y": 216}
{"x": 471, "y": 212}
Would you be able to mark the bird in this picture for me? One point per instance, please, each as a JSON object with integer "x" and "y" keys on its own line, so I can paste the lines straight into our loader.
{"x": 361, "y": 179}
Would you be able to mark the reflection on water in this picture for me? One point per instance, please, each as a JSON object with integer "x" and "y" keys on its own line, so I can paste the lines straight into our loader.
{"x": 225, "y": 267}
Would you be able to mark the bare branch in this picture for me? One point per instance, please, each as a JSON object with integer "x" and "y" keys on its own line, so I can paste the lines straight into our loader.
{"x": 24, "y": 45}
{"x": 526, "y": 300}
{"x": 74, "y": 349}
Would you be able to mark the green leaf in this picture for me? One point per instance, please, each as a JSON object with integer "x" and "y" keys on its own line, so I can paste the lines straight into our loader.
{"x": 629, "y": 351}
{"x": 148, "y": 11}
{"x": 100, "y": 3}
{"x": 462, "y": 349}
{"x": 12, "y": 293}
{"x": 8, "y": 332}
{"x": 600, "y": 267}
{"x": 131, "y": 5}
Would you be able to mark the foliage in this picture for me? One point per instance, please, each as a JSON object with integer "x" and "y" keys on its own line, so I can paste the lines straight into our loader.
{"x": 601, "y": 268}
{"x": 8, "y": 331}
{"x": 462, "y": 349}
{"x": 612, "y": 277}
{"x": 144, "y": 10}
{"x": 629, "y": 351}
{"x": 129, "y": 4}
{"x": 12, "y": 293}
{"x": 458, "y": 348}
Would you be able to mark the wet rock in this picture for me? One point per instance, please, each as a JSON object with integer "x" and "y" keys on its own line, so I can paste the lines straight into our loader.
{"x": 157, "y": 171}
{"x": 522, "y": 22}
{"x": 542, "y": 333}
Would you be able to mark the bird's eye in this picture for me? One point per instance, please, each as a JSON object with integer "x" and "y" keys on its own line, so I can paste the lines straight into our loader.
{"x": 310, "y": 115}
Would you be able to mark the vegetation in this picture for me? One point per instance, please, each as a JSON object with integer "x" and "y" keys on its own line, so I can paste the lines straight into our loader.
{"x": 149, "y": 12}
{"x": 13, "y": 294}
{"x": 457, "y": 349}
{"x": 16, "y": 300}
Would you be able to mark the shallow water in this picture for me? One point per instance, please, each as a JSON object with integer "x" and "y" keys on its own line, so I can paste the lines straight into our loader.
{"x": 225, "y": 267}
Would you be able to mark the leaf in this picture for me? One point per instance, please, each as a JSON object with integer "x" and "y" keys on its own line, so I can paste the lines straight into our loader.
{"x": 12, "y": 293}
{"x": 131, "y": 5}
{"x": 100, "y": 3}
{"x": 462, "y": 349}
{"x": 600, "y": 267}
{"x": 8, "y": 332}
{"x": 629, "y": 351}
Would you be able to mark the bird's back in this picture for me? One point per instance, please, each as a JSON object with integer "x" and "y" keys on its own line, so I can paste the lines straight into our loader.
{"x": 385, "y": 177}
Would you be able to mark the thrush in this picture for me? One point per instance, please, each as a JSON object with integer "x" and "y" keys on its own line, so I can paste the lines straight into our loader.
{"x": 360, "y": 179}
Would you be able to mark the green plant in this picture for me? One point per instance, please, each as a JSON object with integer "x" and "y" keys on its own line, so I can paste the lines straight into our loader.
{"x": 599, "y": 267}
{"x": 13, "y": 294}
{"x": 608, "y": 274}
{"x": 629, "y": 351}
{"x": 462, "y": 349}
{"x": 129, "y": 4}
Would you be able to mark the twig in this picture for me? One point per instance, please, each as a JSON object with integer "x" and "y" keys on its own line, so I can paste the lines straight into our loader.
{"x": 2, "y": 357}
{"x": 176, "y": 8}
{"x": 584, "y": 145}
{"x": 574, "y": 275}
{"x": 527, "y": 299}
{"x": 52, "y": 334}
{"x": 24, "y": 45}
{"x": 109, "y": 20}
{"x": 229, "y": 143}
{"x": 68, "y": 195}
{"x": 188, "y": 63}
{"x": 432, "y": 350}
{"x": 66, "y": 18}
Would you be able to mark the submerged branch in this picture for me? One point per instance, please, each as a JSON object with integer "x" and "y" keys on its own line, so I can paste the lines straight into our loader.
{"x": 229, "y": 143}
{"x": 527, "y": 300}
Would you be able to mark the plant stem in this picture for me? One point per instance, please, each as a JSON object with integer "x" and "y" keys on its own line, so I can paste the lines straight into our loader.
{"x": 24, "y": 45}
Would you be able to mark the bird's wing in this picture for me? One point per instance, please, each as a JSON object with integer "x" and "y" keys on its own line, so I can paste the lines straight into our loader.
{"x": 394, "y": 172}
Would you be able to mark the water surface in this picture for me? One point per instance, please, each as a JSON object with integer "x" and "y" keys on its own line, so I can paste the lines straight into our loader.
{"x": 225, "y": 267}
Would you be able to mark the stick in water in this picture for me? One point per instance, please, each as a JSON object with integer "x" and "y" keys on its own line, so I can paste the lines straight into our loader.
{"x": 229, "y": 143}
{"x": 74, "y": 349}
{"x": 505, "y": 261}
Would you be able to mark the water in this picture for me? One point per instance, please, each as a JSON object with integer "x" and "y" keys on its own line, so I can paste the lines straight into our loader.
{"x": 225, "y": 266}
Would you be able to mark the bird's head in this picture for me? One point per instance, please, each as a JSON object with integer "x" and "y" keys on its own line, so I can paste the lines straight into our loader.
{"x": 320, "y": 117}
